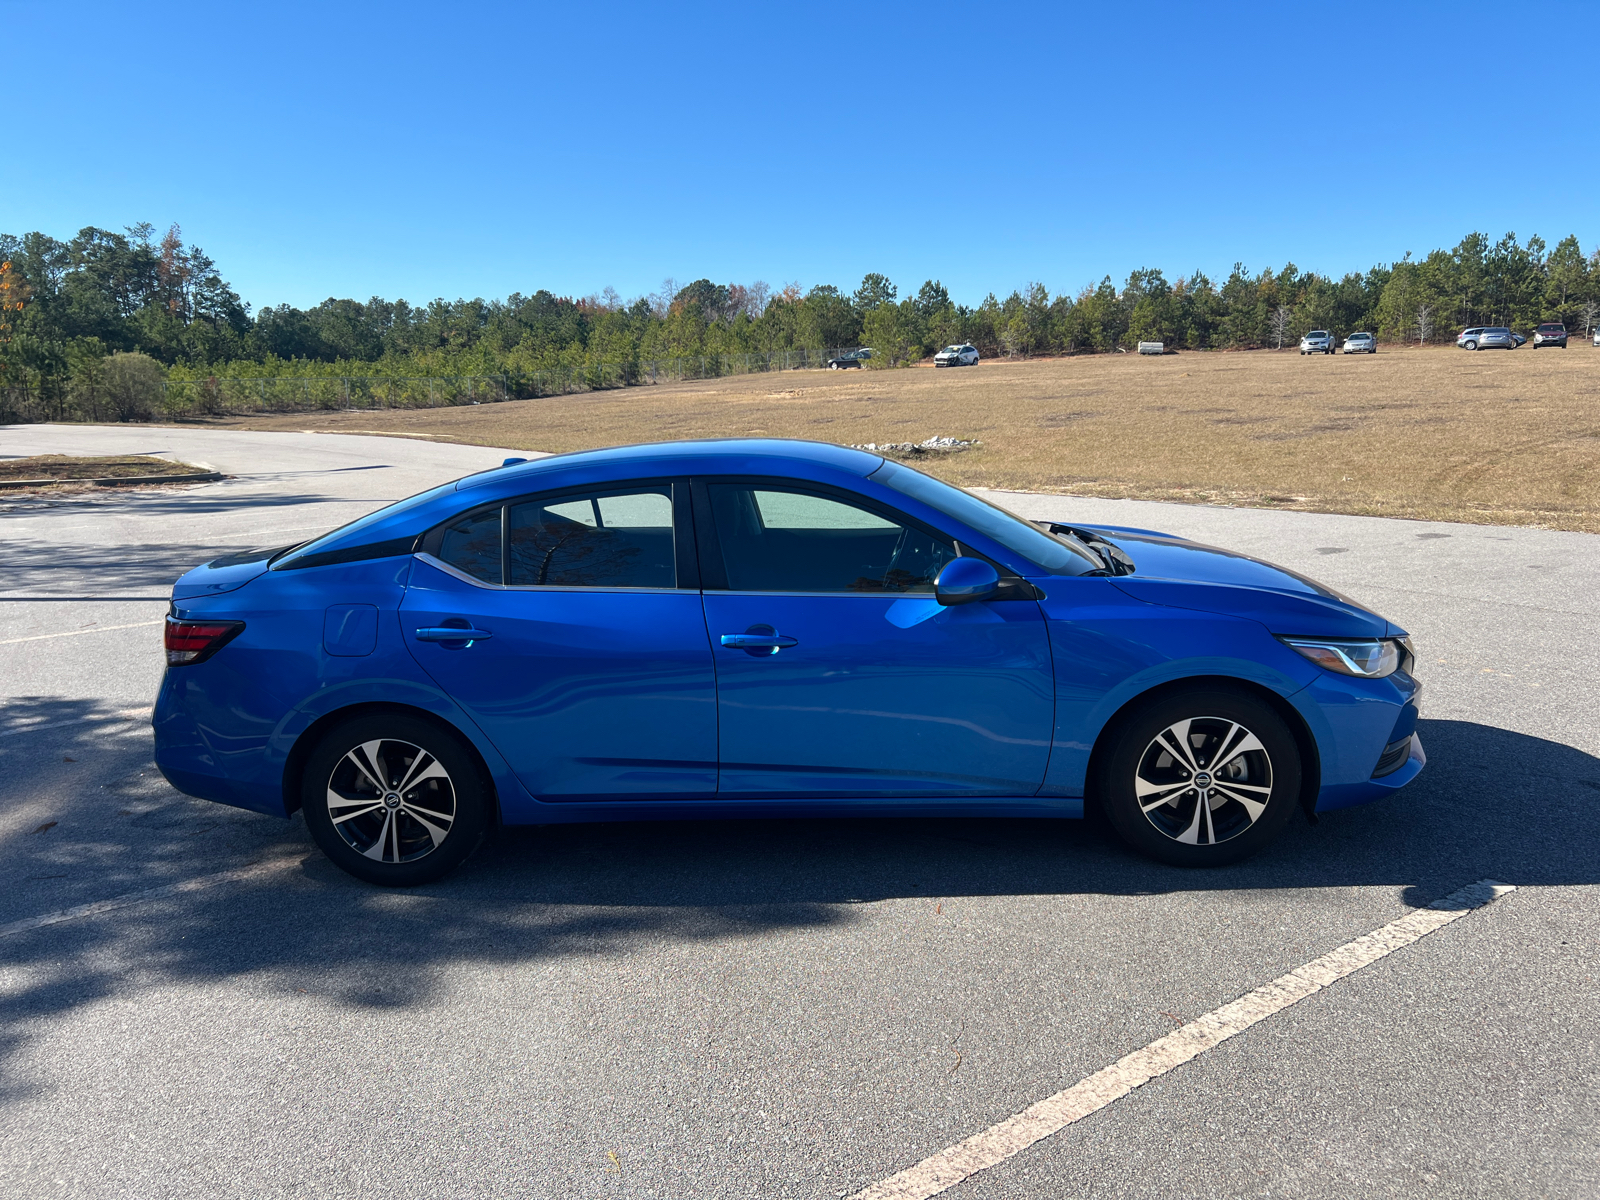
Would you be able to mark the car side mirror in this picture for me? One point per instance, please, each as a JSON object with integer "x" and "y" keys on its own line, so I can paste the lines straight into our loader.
{"x": 966, "y": 580}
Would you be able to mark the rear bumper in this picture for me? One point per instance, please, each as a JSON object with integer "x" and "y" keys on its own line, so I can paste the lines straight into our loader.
{"x": 203, "y": 786}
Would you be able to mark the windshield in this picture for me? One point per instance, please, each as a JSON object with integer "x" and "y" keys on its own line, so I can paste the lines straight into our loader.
{"x": 1360, "y": 337}
{"x": 1318, "y": 333}
{"x": 1056, "y": 555}
{"x": 952, "y": 349}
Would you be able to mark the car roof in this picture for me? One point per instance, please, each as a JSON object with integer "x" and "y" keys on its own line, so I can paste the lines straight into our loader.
{"x": 726, "y": 456}
{"x": 777, "y": 456}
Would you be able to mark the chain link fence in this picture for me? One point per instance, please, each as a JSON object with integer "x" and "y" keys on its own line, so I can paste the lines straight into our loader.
{"x": 67, "y": 400}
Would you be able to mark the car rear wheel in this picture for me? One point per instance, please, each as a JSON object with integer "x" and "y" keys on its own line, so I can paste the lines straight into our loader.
{"x": 394, "y": 799}
{"x": 1201, "y": 778}
{"x": 1469, "y": 345}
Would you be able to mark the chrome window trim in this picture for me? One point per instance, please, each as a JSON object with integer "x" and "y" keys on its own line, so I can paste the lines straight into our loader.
{"x": 458, "y": 573}
{"x": 797, "y": 595}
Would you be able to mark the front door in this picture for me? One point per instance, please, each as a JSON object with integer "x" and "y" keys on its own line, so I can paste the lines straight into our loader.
{"x": 839, "y": 674}
{"x": 596, "y": 678}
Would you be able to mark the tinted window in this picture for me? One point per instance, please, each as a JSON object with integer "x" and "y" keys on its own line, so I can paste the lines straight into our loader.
{"x": 617, "y": 538}
{"x": 473, "y": 545}
{"x": 778, "y": 540}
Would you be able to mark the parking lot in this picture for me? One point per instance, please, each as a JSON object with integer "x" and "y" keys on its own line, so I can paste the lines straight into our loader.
{"x": 197, "y": 1004}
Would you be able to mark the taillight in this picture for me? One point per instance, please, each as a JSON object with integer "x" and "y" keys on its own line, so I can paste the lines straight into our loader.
{"x": 195, "y": 641}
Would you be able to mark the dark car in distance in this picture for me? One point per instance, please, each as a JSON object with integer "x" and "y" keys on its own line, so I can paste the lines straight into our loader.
{"x": 853, "y": 359}
{"x": 1550, "y": 333}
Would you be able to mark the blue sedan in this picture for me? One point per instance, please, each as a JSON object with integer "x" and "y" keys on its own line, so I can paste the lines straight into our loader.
{"x": 766, "y": 628}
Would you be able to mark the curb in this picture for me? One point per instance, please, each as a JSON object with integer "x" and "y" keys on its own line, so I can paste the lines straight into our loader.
{"x": 118, "y": 480}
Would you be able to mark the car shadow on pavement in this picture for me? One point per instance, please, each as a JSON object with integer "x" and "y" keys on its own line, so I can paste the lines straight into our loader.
{"x": 1492, "y": 803}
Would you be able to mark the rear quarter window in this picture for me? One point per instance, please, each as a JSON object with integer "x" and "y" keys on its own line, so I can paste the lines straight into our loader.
{"x": 472, "y": 545}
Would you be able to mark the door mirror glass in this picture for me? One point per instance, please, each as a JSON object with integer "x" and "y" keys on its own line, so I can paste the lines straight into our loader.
{"x": 966, "y": 580}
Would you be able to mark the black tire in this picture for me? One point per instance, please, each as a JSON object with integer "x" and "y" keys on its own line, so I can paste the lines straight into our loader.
{"x": 1179, "y": 827}
{"x": 1469, "y": 345}
{"x": 377, "y": 835}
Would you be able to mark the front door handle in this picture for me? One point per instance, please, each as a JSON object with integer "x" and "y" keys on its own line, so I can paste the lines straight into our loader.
{"x": 759, "y": 640}
{"x": 453, "y": 633}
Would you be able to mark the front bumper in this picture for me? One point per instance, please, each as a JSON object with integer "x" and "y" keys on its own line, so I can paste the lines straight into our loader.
{"x": 1347, "y": 795}
{"x": 1361, "y": 728}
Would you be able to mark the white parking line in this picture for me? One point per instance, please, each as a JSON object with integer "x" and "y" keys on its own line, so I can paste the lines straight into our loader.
{"x": 254, "y": 871}
{"x": 999, "y": 1142}
{"x": 40, "y": 637}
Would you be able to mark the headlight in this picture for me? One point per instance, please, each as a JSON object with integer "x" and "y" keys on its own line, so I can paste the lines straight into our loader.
{"x": 1370, "y": 658}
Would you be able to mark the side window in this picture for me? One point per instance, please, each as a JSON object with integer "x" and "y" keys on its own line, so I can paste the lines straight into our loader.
{"x": 472, "y": 545}
{"x": 619, "y": 538}
{"x": 779, "y": 540}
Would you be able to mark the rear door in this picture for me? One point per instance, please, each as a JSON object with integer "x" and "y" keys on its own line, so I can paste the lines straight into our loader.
{"x": 583, "y": 653}
{"x": 840, "y": 675}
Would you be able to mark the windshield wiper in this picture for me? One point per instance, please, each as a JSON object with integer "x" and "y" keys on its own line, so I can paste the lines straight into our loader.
{"x": 1112, "y": 555}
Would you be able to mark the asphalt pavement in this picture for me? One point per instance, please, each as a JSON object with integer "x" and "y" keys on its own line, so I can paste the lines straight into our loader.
{"x": 785, "y": 1008}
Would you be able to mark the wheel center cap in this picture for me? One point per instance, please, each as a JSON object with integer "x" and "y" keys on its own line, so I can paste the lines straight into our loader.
{"x": 1202, "y": 779}
{"x": 392, "y": 800}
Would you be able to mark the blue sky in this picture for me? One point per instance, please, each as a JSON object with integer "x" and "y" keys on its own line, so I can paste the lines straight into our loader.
{"x": 424, "y": 150}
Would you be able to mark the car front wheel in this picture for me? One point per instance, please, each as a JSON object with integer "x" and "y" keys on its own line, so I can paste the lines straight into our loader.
{"x": 394, "y": 799}
{"x": 1201, "y": 778}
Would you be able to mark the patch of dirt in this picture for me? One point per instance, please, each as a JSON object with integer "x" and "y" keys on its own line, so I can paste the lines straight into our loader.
{"x": 72, "y": 473}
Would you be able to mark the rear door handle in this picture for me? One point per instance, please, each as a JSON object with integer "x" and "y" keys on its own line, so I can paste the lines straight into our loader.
{"x": 453, "y": 633}
{"x": 755, "y": 641}
{"x": 758, "y": 641}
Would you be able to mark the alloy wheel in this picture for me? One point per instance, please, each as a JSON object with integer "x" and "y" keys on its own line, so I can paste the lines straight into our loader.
{"x": 391, "y": 800}
{"x": 1203, "y": 780}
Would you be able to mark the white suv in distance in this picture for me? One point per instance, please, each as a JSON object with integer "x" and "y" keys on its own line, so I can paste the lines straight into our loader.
{"x": 963, "y": 355}
{"x": 1361, "y": 343}
{"x": 1318, "y": 341}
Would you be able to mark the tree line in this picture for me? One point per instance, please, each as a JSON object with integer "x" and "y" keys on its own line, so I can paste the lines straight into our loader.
{"x": 70, "y": 309}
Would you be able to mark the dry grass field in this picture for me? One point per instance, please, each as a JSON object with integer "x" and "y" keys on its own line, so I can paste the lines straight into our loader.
{"x": 1493, "y": 437}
